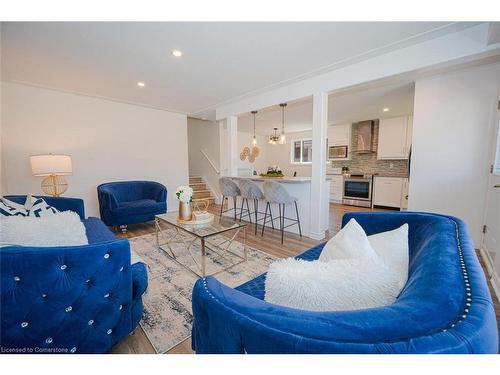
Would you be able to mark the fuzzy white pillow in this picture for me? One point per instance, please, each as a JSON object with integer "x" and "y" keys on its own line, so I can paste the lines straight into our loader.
{"x": 393, "y": 249}
{"x": 350, "y": 242}
{"x": 63, "y": 229}
{"x": 343, "y": 284}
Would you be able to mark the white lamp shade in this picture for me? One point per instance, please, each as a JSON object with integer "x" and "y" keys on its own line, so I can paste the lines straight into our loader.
{"x": 46, "y": 165}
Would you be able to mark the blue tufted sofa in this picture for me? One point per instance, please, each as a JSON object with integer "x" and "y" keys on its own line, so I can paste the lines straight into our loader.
{"x": 131, "y": 202}
{"x": 445, "y": 306}
{"x": 80, "y": 299}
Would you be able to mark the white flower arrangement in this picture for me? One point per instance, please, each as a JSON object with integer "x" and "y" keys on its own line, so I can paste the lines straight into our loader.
{"x": 184, "y": 194}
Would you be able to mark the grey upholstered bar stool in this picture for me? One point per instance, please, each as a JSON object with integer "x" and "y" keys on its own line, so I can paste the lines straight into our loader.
{"x": 275, "y": 192}
{"x": 229, "y": 189}
{"x": 250, "y": 190}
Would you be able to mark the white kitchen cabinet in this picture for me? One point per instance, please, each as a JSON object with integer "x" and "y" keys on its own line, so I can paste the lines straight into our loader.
{"x": 394, "y": 137}
{"x": 339, "y": 135}
{"x": 387, "y": 191}
{"x": 336, "y": 188}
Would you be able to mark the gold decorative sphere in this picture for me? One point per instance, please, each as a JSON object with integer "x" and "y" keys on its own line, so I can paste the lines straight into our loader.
{"x": 54, "y": 185}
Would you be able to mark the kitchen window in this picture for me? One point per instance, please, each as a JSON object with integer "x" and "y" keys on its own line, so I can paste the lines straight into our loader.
{"x": 302, "y": 151}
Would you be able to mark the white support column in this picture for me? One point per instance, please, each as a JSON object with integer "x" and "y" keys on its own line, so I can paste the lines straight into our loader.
{"x": 319, "y": 195}
{"x": 232, "y": 145}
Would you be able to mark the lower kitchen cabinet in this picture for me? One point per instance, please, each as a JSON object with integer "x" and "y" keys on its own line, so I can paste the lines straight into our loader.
{"x": 336, "y": 188}
{"x": 388, "y": 191}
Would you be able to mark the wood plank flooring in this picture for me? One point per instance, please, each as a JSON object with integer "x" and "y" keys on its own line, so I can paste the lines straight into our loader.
{"x": 271, "y": 244}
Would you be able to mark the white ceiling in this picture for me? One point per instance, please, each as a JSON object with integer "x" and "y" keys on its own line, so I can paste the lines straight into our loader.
{"x": 221, "y": 61}
{"x": 365, "y": 104}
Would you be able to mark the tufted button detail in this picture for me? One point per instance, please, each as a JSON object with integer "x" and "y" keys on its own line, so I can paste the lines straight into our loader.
{"x": 120, "y": 307}
{"x": 73, "y": 349}
{"x": 109, "y": 331}
{"x": 63, "y": 267}
{"x": 68, "y": 309}
{"x": 106, "y": 256}
{"x": 24, "y": 324}
{"x": 48, "y": 340}
{"x": 17, "y": 278}
{"x": 91, "y": 321}
{"x": 44, "y": 295}
{"x": 87, "y": 281}
{"x": 106, "y": 295}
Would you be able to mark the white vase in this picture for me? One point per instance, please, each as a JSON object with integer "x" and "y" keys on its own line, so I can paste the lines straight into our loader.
{"x": 185, "y": 211}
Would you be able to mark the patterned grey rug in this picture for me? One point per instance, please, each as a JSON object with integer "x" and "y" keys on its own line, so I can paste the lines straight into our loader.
{"x": 167, "y": 303}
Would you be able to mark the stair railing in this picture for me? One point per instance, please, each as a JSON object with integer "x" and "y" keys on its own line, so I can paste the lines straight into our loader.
{"x": 210, "y": 161}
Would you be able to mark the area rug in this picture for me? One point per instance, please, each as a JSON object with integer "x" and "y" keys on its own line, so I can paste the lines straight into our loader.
{"x": 167, "y": 315}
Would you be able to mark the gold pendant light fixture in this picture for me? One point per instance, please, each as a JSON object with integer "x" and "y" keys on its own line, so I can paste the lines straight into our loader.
{"x": 275, "y": 138}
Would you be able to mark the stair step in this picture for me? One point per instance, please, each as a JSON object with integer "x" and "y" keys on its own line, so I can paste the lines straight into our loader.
{"x": 197, "y": 186}
{"x": 195, "y": 179}
{"x": 202, "y": 194}
{"x": 210, "y": 199}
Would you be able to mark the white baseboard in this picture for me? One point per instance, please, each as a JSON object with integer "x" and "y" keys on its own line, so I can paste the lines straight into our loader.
{"x": 316, "y": 236}
{"x": 491, "y": 273}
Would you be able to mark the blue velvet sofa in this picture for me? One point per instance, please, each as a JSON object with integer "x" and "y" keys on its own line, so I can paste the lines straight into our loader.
{"x": 445, "y": 306}
{"x": 131, "y": 202}
{"x": 80, "y": 299}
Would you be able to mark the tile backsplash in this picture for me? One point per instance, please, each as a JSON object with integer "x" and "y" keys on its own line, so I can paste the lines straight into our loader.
{"x": 368, "y": 163}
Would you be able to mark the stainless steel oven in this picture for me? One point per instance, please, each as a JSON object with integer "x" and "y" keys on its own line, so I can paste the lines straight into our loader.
{"x": 358, "y": 190}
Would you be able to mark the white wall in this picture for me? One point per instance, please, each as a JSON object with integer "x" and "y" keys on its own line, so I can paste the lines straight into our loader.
{"x": 452, "y": 128}
{"x": 281, "y": 155}
{"x": 108, "y": 141}
{"x": 3, "y": 182}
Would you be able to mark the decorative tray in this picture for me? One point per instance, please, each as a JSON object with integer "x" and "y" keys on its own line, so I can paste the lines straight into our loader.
{"x": 209, "y": 219}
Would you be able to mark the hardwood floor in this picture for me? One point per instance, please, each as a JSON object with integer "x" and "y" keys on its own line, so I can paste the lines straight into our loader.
{"x": 270, "y": 243}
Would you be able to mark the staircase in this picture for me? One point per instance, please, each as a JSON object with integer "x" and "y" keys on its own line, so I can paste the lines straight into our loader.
{"x": 200, "y": 190}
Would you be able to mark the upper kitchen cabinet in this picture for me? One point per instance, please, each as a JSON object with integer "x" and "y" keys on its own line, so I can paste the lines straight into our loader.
{"x": 394, "y": 137}
{"x": 339, "y": 135}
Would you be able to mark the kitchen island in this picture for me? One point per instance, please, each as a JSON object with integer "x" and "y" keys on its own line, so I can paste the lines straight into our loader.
{"x": 299, "y": 187}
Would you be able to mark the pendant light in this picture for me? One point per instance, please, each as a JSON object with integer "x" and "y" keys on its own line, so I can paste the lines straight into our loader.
{"x": 282, "y": 139}
{"x": 254, "y": 140}
{"x": 274, "y": 138}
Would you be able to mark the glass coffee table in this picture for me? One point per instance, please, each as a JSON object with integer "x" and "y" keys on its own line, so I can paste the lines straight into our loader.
{"x": 203, "y": 233}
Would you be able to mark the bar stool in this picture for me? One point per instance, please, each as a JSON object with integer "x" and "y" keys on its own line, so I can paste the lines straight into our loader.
{"x": 250, "y": 190}
{"x": 275, "y": 192}
{"x": 229, "y": 189}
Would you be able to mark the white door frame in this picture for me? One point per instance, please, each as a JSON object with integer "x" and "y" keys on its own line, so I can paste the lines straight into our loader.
{"x": 492, "y": 275}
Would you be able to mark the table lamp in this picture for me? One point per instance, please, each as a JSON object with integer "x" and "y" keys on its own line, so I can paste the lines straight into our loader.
{"x": 53, "y": 168}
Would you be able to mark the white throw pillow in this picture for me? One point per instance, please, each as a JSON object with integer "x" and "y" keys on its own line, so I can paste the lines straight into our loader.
{"x": 63, "y": 229}
{"x": 350, "y": 242}
{"x": 8, "y": 210}
{"x": 393, "y": 249}
{"x": 343, "y": 284}
{"x": 40, "y": 208}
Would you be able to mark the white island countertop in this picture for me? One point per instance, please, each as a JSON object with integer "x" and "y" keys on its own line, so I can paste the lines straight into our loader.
{"x": 293, "y": 180}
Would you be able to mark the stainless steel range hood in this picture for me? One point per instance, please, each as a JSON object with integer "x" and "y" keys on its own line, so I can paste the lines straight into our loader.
{"x": 364, "y": 137}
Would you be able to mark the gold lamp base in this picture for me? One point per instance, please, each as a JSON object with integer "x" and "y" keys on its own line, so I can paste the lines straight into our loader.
{"x": 54, "y": 185}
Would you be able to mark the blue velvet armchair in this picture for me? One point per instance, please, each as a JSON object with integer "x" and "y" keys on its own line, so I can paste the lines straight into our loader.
{"x": 131, "y": 202}
{"x": 71, "y": 299}
{"x": 445, "y": 306}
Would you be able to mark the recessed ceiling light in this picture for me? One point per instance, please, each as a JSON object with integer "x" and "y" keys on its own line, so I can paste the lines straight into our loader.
{"x": 176, "y": 53}
{"x": 141, "y": 84}
{"x": 386, "y": 110}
